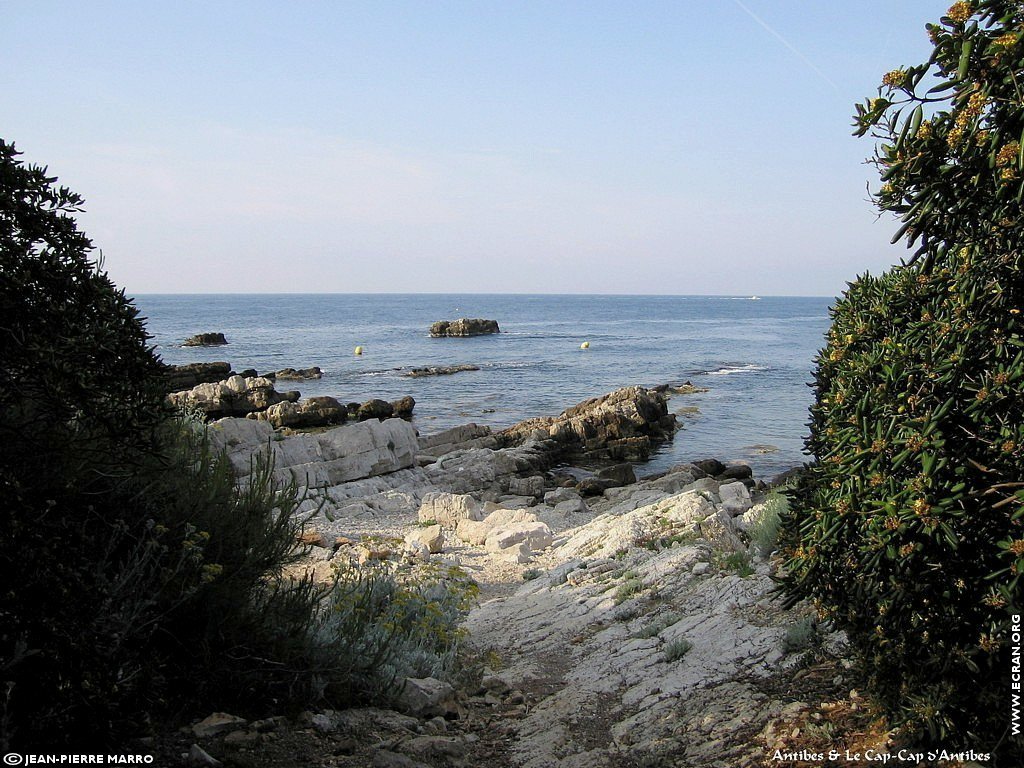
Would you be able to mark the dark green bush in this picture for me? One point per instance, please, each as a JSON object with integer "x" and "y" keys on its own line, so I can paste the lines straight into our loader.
{"x": 134, "y": 577}
{"x": 908, "y": 531}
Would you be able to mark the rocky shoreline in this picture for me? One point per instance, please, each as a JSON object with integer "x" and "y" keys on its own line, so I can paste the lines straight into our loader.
{"x": 625, "y": 623}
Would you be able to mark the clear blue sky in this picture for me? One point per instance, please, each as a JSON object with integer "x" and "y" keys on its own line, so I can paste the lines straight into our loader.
{"x": 549, "y": 147}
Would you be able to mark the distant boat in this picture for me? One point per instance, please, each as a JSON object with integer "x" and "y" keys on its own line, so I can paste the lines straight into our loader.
{"x": 755, "y": 298}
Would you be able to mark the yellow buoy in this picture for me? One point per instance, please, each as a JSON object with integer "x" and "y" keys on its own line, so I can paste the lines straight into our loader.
{"x": 359, "y": 350}
{"x": 585, "y": 345}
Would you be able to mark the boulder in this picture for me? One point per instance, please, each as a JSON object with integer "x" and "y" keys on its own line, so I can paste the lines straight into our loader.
{"x": 375, "y": 409}
{"x": 205, "y": 340}
{"x": 217, "y": 723}
{"x": 477, "y": 531}
{"x": 559, "y": 495}
{"x": 442, "y": 370}
{"x": 711, "y": 467}
{"x": 736, "y": 472}
{"x": 527, "y": 486}
{"x": 312, "y": 412}
{"x": 464, "y": 327}
{"x": 622, "y": 474}
{"x": 449, "y": 509}
{"x": 426, "y": 697}
{"x": 236, "y": 396}
{"x": 536, "y": 535}
{"x": 594, "y": 486}
{"x": 625, "y": 424}
{"x": 182, "y": 377}
{"x": 403, "y": 406}
{"x": 735, "y": 498}
{"x": 431, "y": 536}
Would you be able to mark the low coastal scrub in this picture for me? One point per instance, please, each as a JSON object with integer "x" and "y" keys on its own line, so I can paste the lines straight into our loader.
{"x": 675, "y": 650}
{"x": 380, "y": 626}
{"x": 764, "y": 533}
{"x": 908, "y": 531}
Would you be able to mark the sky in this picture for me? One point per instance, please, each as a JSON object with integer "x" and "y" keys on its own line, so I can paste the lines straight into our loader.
{"x": 480, "y": 147}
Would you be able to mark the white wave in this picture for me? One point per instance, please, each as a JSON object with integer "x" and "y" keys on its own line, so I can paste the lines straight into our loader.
{"x": 728, "y": 370}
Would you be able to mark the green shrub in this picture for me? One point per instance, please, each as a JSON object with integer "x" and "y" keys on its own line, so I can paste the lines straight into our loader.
{"x": 135, "y": 579}
{"x": 380, "y": 626}
{"x": 736, "y": 562}
{"x": 658, "y": 626}
{"x": 907, "y": 531}
{"x": 800, "y": 635}
{"x": 628, "y": 589}
{"x": 764, "y": 533}
{"x": 675, "y": 650}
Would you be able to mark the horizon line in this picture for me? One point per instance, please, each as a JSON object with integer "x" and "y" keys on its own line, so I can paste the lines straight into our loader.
{"x": 483, "y": 293}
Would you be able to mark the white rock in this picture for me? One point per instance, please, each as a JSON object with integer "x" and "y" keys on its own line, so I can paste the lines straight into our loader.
{"x": 432, "y": 537}
{"x": 426, "y": 697}
{"x": 339, "y": 455}
{"x": 699, "y": 569}
{"x": 198, "y": 756}
{"x": 417, "y": 550}
{"x": 476, "y": 532}
{"x": 448, "y": 509}
{"x": 735, "y": 498}
{"x": 536, "y": 535}
{"x": 559, "y": 495}
{"x": 218, "y": 722}
{"x": 518, "y": 553}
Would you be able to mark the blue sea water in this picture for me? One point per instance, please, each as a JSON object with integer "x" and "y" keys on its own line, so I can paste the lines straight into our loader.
{"x": 754, "y": 356}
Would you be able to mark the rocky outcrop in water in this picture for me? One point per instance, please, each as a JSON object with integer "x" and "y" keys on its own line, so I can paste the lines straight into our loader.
{"x": 205, "y": 340}
{"x": 302, "y": 374}
{"x": 464, "y": 327}
{"x": 626, "y": 425}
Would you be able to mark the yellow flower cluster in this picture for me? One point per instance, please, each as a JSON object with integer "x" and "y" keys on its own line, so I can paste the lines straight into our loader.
{"x": 1006, "y": 41}
{"x": 895, "y": 78}
{"x": 1007, "y": 154}
{"x": 924, "y": 131}
{"x": 959, "y": 12}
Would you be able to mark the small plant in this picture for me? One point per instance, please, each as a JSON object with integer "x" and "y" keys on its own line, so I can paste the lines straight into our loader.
{"x": 800, "y": 636}
{"x": 427, "y": 523}
{"x": 764, "y": 533}
{"x": 658, "y": 626}
{"x": 532, "y": 573}
{"x": 627, "y": 589}
{"x": 675, "y": 650}
{"x": 736, "y": 562}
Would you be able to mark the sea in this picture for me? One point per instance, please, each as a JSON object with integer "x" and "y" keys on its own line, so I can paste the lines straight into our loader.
{"x": 753, "y": 354}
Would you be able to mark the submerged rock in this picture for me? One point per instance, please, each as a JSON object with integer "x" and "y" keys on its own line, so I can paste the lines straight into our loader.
{"x": 441, "y": 370}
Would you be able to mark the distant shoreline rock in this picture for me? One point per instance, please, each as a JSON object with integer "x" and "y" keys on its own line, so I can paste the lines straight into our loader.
{"x": 205, "y": 340}
{"x": 464, "y": 327}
